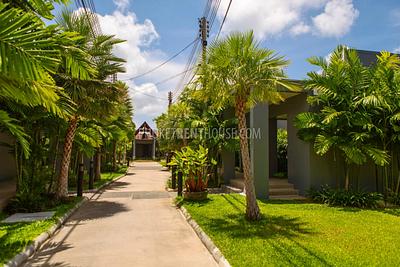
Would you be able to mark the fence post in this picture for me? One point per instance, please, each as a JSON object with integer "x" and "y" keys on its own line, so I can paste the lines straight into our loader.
{"x": 180, "y": 183}
{"x": 173, "y": 177}
{"x": 91, "y": 174}
{"x": 79, "y": 188}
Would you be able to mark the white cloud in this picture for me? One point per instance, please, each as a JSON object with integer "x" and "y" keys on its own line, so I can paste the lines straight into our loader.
{"x": 397, "y": 50}
{"x": 122, "y": 5}
{"x": 337, "y": 18}
{"x": 276, "y": 17}
{"x": 300, "y": 28}
{"x": 141, "y": 57}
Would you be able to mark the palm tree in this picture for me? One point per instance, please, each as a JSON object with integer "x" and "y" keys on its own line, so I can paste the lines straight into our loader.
{"x": 26, "y": 66}
{"x": 86, "y": 87}
{"x": 242, "y": 74}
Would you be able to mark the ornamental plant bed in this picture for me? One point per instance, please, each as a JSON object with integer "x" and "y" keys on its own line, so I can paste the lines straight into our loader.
{"x": 195, "y": 166}
{"x": 196, "y": 196}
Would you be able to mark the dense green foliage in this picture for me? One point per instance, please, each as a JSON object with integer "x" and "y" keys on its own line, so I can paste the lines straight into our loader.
{"x": 294, "y": 233}
{"x": 57, "y": 99}
{"x": 355, "y": 114}
{"x": 345, "y": 198}
{"x": 194, "y": 165}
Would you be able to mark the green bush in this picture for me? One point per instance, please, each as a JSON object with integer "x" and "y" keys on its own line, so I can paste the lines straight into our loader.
{"x": 344, "y": 198}
{"x": 394, "y": 199}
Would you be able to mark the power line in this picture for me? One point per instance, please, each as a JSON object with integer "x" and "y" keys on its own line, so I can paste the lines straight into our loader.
{"x": 174, "y": 76}
{"x": 143, "y": 93}
{"x": 210, "y": 13}
{"x": 165, "y": 62}
{"x": 161, "y": 82}
{"x": 223, "y": 21}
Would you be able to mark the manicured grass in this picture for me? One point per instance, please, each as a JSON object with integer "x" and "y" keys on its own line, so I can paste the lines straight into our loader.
{"x": 109, "y": 176}
{"x": 105, "y": 177}
{"x": 15, "y": 236}
{"x": 299, "y": 234}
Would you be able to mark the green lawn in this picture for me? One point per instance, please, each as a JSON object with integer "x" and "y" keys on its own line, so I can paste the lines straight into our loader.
{"x": 105, "y": 177}
{"x": 15, "y": 236}
{"x": 300, "y": 234}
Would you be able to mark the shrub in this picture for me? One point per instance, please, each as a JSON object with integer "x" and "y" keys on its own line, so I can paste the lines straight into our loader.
{"x": 195, "y": 167}
{"x": 394, "y": 199}
{"x": 344, "y": 198}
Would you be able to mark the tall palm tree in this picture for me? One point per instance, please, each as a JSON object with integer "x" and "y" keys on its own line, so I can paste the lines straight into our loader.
{"x": 87, "y": 89}
{"x": 240, "y": 73}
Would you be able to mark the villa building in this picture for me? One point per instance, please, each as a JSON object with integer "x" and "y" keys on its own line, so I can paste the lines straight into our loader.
{"x": 305, "y": 169}
{"x": 144, "y": 146}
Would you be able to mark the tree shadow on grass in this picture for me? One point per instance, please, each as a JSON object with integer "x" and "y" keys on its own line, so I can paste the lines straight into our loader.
{"x": 282, "y": 232}
{"x": 269, "y": 227}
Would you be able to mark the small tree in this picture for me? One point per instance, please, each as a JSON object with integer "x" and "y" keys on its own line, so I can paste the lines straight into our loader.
{"x": 340, "y": 123}
{"x": 241, "y": 74}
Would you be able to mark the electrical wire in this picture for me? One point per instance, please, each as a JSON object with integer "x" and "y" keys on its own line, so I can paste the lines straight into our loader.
{"x": 161, "y": 82}
{"x": 210, "y": 13}
{"x": 223, "y": 21}
{"x": 165, "y": 62}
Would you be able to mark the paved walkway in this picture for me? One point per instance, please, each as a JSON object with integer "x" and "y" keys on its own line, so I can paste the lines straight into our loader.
{"x": 132, "y": 223}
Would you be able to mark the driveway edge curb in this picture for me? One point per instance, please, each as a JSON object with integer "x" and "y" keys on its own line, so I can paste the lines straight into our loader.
{"x": 208, "y": 243}
{"x": 31, "y": 249}
{"x": 28, "y": 251}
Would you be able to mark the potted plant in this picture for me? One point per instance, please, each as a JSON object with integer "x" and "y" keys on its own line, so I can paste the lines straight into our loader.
{"x": 195, "y": 166}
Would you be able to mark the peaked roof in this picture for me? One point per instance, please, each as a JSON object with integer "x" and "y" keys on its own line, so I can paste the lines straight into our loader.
{"x": 144, "y": 132}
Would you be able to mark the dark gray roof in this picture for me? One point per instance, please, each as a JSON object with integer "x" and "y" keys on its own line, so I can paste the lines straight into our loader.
{"x": 368, "y": 57}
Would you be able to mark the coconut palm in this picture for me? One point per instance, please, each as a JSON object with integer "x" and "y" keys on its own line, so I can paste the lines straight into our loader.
{"x": 240, "y": 73}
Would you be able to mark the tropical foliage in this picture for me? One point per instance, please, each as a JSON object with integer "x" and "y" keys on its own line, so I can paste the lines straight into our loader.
{"x": 356, "y": 114}
{"x": 195, "y": 165}
{"x": 241, "y": 74}
{"x": 57, "y": 99}
{"x": 235, "y": 75}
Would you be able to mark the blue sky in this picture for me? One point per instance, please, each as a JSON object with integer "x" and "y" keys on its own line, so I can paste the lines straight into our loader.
{"x": 297, "y": 29}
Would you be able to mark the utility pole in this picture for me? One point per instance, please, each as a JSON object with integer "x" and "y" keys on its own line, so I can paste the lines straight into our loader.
{"x": 169, "y": 99}
{"x": 204, "y": 34}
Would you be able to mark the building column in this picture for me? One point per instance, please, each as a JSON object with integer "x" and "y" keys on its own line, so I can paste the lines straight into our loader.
{"x": 259, "y": 122}
{"x": 228, "y": 166}
{"x": 273, "y": 146}
{"x": 154, "y": 149}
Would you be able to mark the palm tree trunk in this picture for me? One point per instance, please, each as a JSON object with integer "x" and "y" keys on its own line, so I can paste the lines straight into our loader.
{"x": 54, "y": 163}
{"x": 62, "y": 183}
{"x": 252, "y": 209}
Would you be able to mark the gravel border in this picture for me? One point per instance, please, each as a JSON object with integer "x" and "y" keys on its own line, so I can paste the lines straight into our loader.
{"x": 31, "y": 249}
{"x": 215, "y": 252}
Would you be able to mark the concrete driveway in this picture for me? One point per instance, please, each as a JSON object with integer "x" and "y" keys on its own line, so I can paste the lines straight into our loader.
{"x": 132, "y": 223}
